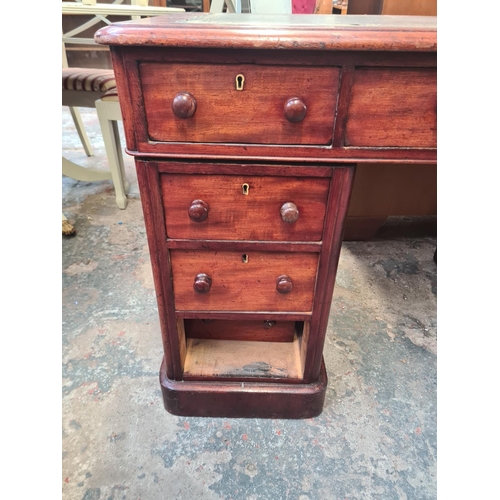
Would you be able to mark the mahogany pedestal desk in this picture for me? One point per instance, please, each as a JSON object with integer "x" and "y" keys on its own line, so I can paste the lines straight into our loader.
{"x": 246, "y": 131}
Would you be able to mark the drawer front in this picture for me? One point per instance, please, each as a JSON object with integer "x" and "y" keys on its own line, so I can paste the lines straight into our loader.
{"x": 215, "y": 207}
{"x": 200, "y": 103}
{"x": 392, "y": 107}
{"x": 263, "y": 331}
{"x": 267, "y": 281}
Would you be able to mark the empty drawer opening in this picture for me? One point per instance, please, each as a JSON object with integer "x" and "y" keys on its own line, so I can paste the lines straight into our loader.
{"x": 243, "y": 350}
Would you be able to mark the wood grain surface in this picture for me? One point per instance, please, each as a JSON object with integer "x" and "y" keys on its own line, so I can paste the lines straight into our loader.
{"x": 235, "y": 216}
{"x": 252, "y": 399}
{"x": 244, "y": 315}
{"x": 254, "y": 115}
{"x": 267, "y": 330}
{"x": 245, "y": 245}
{"x": 244, "y": 168}
{"x": 208, "y": 358}
{"x": 237, "y": 286}
{"x": 315, "y": 42}
{"x": 338, "y": 202}
{"x": 149, "y": 186}
{"x": 139, "y": 142}
{"x": 359, "y": 89}
{"x": 282, "y": 32}
{"x": 392, "y": 107}
{"x": 409, "y": 8}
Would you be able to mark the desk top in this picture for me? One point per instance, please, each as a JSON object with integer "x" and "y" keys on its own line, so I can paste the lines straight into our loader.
{"x": 280, "y": 31}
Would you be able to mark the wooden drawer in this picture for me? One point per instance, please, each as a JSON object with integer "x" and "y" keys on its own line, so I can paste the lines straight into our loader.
{"x": 266, "y": 330}
{"x": 392, "y": 107}
{"x": 236, "y": 285}
{"x": 232, "y": 215}
{"x": 254, "y": 115}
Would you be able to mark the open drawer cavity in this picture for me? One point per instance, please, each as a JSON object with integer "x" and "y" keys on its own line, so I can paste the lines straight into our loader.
{"x": 243, "y": 350}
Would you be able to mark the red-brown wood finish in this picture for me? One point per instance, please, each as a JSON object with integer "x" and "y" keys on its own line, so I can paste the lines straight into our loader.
{"x": 322, "y": 43}
{"x": 246, "y": 147}
{"x": 198, "y": 210}
{"x": 295, "y": 109}
{"x": 392, "y": 108}
{"x": 282, "y": 32}
{"x": 289, "y": 212}
{"x": 224, "y": 282}
{"x": 202, "y": 283}
{"x": 243, "y": 246}
{"x": 248, "y": 399}
{"x": 149, "y": 187}
{"x": 265, "y": 330}
{"x": 230, "y": 214}
{"x": 183, "y": 105}
{"x": 223, "y": 113}
{"x": 340, "y": 192}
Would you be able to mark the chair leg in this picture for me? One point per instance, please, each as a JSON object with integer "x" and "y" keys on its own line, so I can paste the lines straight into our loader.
{"x": 217, "y": 6}
{"x": 119, "y": 153}
{"x": 77, "y": 119}
{"x": 79, "y": 173}
{"x": 109, "y": 130}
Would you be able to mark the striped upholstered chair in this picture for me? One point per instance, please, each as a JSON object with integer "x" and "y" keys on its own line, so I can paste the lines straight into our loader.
{"x": 96, "y": 88}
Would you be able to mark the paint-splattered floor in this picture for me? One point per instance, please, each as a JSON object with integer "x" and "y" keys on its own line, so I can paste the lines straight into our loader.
{"x": 376, "y": 438}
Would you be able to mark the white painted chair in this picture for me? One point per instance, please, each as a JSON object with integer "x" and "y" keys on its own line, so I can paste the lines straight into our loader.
{"x": 96, "y": 88}
{"x": 254, "y": 6}
{"x": 273, "y": 7}
{"x": 232, "y": 6}
{"x": 87, "y": 88}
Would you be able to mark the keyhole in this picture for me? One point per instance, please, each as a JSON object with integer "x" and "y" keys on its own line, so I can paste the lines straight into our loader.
{"x": 244, "y": 258}
{"x": 245, "y": 188}
{"x": 240, "y": 81}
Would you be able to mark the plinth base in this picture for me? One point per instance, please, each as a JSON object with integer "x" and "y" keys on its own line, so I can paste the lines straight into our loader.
{"x": 243, "y": 400}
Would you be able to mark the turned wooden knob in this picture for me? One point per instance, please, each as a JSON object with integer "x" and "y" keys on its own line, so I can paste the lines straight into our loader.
{"x": 289, "y": 212}
{"x": 295, "y": 109}
{"x": 198, "y": 211}
{"x": 284, "y": 284}
{"x": 202, "y": 283}
{"x": 184, "y": 105}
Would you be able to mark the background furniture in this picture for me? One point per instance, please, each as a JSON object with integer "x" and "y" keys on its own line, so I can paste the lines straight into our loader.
{"x": 83, "y": 87}
{"x": 245, "y": 151}
{"x": 393, "y": 7}
{"x": 408, "y": 7}
{"x": 390, "y": 189}
{"x": 385, "y": 189}
{"x": 326, "y": 6}
{"x": 96, "y": 88}
{"x": 381, "y": 189}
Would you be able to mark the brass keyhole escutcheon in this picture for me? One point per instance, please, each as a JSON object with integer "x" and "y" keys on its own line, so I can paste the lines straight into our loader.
{"x": 240, "y": 82}
{"x": 244, "y": 258}
{"x": 245, "y": 188}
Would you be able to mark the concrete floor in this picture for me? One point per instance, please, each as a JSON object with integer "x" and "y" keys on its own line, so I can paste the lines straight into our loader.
{"x": 376, "y": 438}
